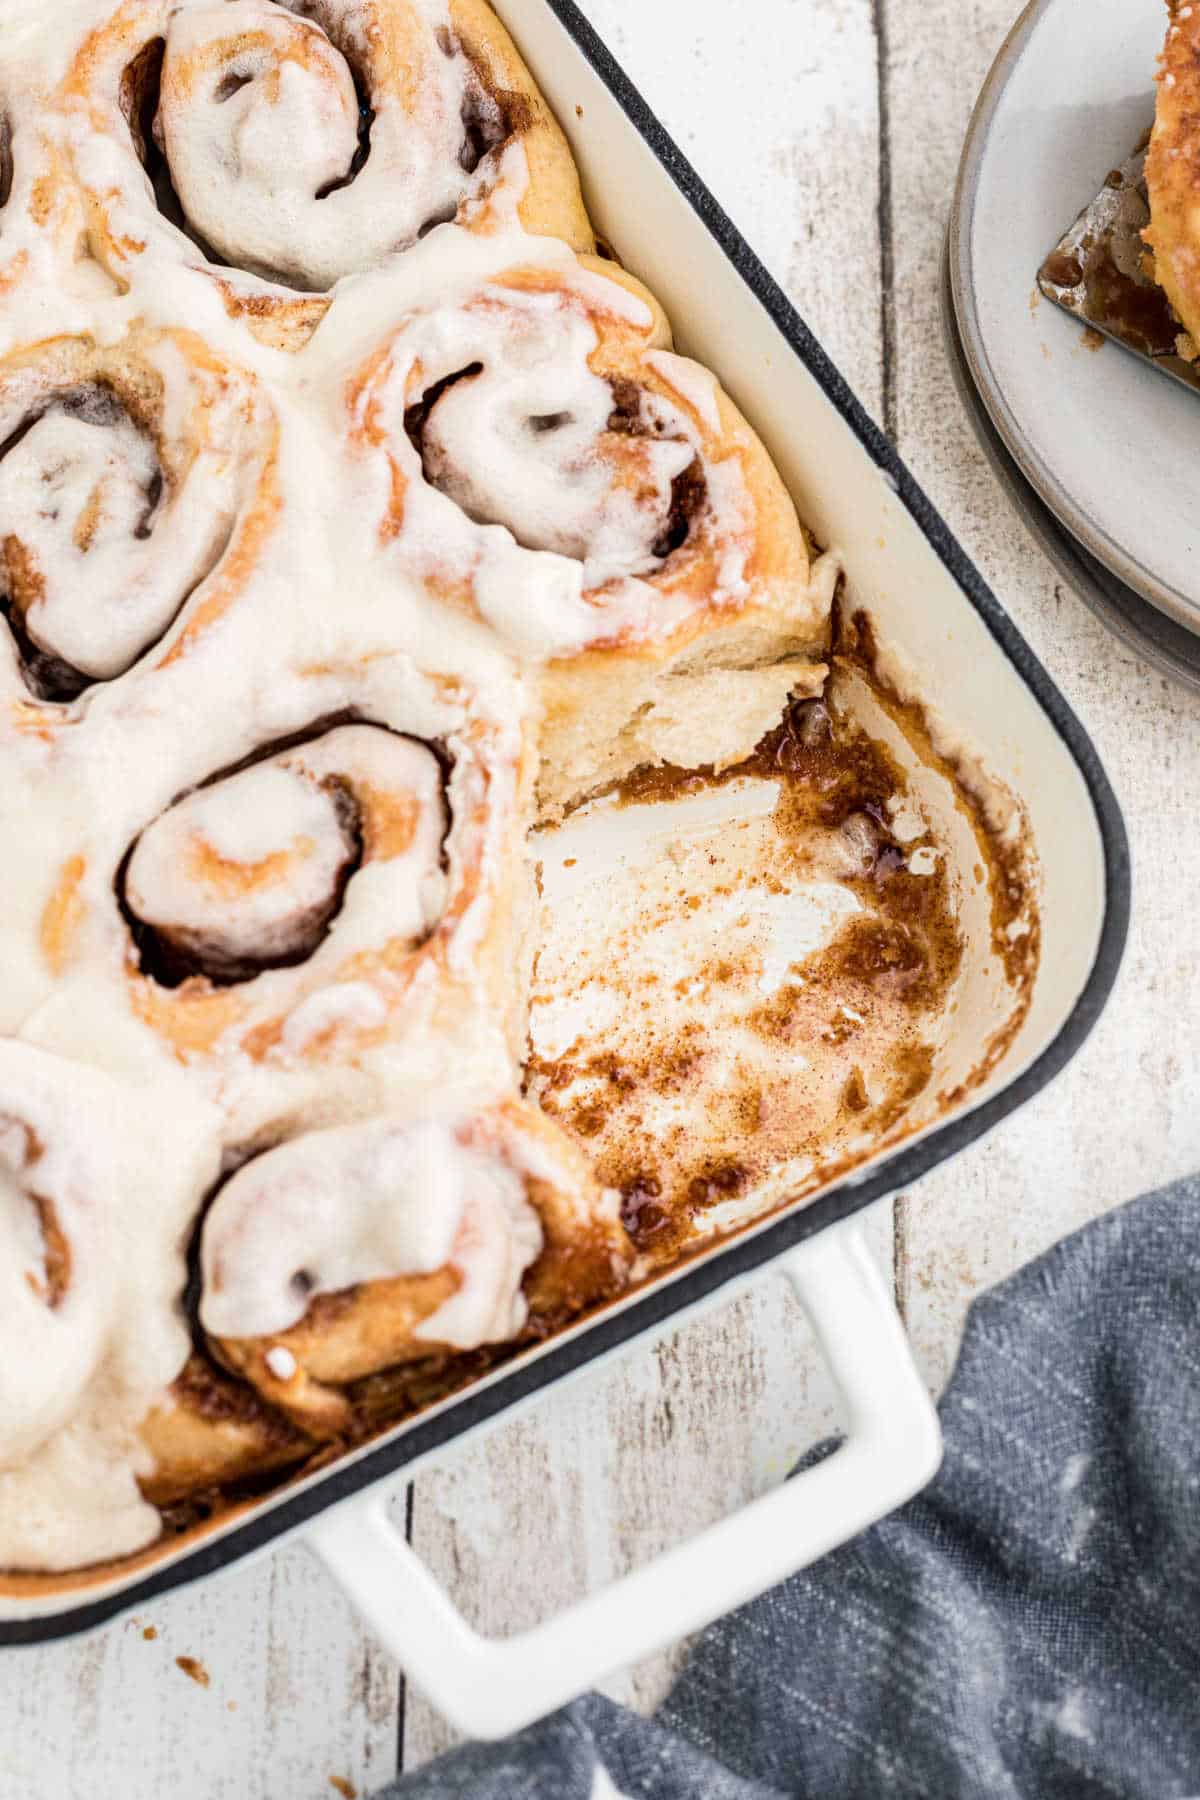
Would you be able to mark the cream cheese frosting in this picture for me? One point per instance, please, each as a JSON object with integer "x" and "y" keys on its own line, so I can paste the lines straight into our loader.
{"x": 363, "y": 1203}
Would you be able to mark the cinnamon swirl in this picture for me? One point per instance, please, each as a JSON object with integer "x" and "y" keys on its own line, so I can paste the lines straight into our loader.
{"x": 123, "y": 471}
{"x": 284, "y": 144}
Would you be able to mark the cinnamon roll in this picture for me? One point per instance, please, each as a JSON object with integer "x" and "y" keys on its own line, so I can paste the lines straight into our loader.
{"x": 124, "y": 470}
{"x": 284, "y": 144}
{"x": 555, "y": 469}
{"x": 97, "y": 1185}
{"x": 321, "y": 922}
{"x": 210, "y": 1434}
{"x": 364, "y": 1247}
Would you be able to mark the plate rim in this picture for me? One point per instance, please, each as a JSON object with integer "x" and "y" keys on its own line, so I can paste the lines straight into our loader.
{"x": 1093, "y": 537}
{"x": 1066, "y": 555}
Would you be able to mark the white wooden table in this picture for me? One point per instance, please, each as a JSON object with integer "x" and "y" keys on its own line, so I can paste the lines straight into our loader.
{"x": 830, "y": 130}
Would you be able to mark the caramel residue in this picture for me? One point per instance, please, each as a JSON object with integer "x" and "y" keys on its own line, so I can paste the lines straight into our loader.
{"x": 23, "y": 579}
{"x": 194, "y": 1669}
{"x": 62, "y": 916}
{"x": 734, "y": 1085}
{"x": 345, "y": 1788}
{"x": 854, "y": 1095}
{"x": 1006, "y": 859}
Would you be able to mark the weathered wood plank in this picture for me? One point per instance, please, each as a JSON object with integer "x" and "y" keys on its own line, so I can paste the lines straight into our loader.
{"x": 296, "y": 1692}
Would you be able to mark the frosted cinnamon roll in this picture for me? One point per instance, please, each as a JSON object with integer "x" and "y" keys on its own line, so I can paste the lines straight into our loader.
{"x": 315, "y": 924}
{"x": 96, "y": 1186}
{"x": 56, "y": 1179}
{"x": 248, "y": 872}
{"x": 352, "y": 1250}
{"x": 123, "y": 472}
{"x": 296, "y": 143}
{"x": 549, "y": 464}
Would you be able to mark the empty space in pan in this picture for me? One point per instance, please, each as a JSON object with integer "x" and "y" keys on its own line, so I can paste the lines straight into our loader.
{"x": 749, "y": 983}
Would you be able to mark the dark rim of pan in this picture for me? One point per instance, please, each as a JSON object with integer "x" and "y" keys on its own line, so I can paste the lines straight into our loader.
{"x": 741, "y": 1257}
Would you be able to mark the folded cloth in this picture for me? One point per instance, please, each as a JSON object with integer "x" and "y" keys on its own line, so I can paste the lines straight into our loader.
{"x": 1028, "y": 1627}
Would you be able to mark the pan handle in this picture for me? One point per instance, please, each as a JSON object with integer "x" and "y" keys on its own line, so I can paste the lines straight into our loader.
{"x": 488, "y": 1688}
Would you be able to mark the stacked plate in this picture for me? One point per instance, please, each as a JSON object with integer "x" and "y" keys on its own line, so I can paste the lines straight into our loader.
{"x": 1097, "y": 448}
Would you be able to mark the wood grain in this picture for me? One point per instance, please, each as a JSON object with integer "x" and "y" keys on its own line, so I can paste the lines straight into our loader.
{"x": 838, "y": 165}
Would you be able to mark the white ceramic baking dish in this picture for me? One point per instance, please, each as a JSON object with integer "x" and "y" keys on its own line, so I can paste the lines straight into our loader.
{"x": 976, "y": 671}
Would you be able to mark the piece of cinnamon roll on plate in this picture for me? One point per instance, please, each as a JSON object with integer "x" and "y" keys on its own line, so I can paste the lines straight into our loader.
{"x": 1173, "y": 169}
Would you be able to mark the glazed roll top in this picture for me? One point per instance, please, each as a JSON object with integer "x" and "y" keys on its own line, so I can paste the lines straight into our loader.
{"x": 547, "y": 451}
{"x": 248, "y": 872}
{"x": 53, "y": 1279}
{"x": 97, "y": 1184}
{"x": 365, "y": 1203}
{"x": 120, "y": 476}
{"x": 365, "y": 1246}
{"x": 291, "y": 167}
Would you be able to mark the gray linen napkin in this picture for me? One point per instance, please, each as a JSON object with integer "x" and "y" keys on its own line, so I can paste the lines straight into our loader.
{"x": 1029, "y": 1627}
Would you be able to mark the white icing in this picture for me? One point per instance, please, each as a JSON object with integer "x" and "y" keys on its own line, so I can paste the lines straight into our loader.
{"x": 122, "y": 1171}
{"x": 517, "y": 446}
{"x": 259, "y": 115}
{"x": 366, "y": 1203}
{"x": 242, "y": 866}
{"x": 530, "y": 490}
{"x": 693, "y": 383}
{"x": 107, "y": 558}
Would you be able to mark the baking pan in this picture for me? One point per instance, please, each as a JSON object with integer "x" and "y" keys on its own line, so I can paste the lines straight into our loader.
{"x": 976, "y": 672}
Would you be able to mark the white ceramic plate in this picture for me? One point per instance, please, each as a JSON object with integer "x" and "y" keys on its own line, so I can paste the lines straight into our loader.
{"x": 1109, "y": 444}
{"x": 1149, "y": 633}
